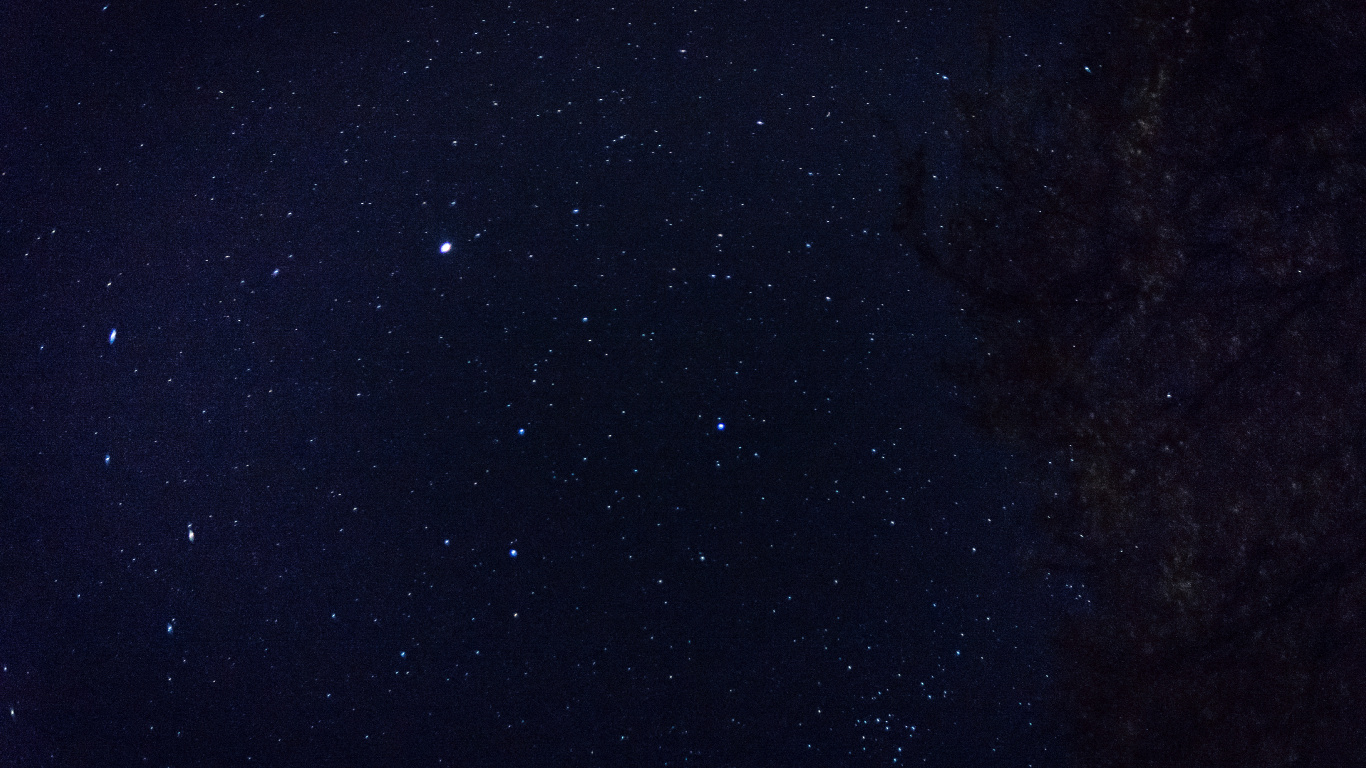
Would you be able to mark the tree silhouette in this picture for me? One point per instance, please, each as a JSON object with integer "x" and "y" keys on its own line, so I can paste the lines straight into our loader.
{"x": 1162, "y": 253}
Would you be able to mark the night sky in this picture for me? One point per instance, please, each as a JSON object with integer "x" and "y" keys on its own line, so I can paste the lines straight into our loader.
{"x": 495, "y": 385}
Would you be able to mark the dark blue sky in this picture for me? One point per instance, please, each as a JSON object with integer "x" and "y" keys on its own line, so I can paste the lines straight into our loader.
{"x": 661, "y": 221}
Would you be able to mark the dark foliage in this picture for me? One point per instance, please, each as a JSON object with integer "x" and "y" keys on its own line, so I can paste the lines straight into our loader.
{"x": 1163, "y": 253}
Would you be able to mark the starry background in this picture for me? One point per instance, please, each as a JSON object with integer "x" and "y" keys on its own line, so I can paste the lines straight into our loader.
{"x": 674, "y": 358}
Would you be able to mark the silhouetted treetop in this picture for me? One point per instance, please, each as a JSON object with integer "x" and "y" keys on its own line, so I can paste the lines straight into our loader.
{"x": 1162, "y": 251}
